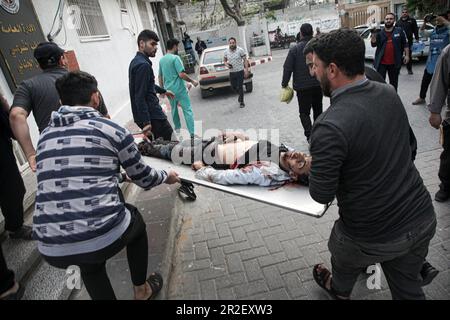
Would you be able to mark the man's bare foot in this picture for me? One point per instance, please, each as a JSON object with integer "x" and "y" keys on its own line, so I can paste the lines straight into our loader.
{"x": 323, "y": 278}
{"x": 143, "y": 292}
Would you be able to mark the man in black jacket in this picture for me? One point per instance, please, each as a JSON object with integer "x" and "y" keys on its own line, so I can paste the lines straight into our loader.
{"x": 309, "y": 94}
{"x": 386, "y": 213}
{"x": 147, "y": 111}
{"x": 409, "y": 26}
{"x": 200, "y": 46}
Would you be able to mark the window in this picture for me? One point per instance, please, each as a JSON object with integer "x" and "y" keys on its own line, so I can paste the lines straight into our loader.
{"x": 365, "y": 34}
{"x": 213, "y": 57}
{"x": 145, "y": 17}
{"x": 123, "y": 7}
{"x": 91, "y": 25}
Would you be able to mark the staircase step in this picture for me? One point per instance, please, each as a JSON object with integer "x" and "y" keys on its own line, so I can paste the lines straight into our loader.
{"x": 21, "y": 256}
{"x": 47, "y": 283}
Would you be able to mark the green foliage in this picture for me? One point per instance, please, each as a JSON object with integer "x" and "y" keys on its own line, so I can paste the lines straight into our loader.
{"x": 428, "y": 6}
{"x": 270, "y": 15}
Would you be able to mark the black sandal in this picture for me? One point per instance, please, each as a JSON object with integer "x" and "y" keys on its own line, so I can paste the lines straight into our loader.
{"x": 321, "y": 278}
{"x": 156, "y": 283}
{"x": 187, "y": 189}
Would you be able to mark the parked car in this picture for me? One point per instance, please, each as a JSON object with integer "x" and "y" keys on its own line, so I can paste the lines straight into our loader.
{"x": 281, "y": 41}
{"x": 215, "y": 74}
{"x": 420, "y": 50}
{"x": 361, "y": 28}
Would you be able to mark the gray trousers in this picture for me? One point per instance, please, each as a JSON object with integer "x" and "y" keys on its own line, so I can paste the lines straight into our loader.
{"x": 401, "y": 260}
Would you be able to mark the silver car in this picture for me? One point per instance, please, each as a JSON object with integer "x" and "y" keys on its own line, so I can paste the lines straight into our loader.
{"x": 420, "y": 49}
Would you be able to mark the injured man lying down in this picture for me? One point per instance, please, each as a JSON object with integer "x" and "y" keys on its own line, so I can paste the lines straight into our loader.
{"x": 231, "y": 159}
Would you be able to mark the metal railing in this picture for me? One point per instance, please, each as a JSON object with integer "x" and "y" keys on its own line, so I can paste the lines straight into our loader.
{"x": 91, "y": 25}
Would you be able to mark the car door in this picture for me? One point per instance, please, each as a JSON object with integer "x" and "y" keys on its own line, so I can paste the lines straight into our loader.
{"x": 370, "y": 51}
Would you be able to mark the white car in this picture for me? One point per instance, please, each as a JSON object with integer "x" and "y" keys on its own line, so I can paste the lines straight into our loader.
{"x": 420, "y": 50}
{"x": 214, "y": 74}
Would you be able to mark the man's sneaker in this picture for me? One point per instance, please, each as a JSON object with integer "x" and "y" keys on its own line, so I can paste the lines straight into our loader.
{"x": 442, "y": 196}
{"x": 428, "y": 273}
{"x": 419, "y": 101}
{"x": 24, "y": 233}
{"x": 242, "y": 105}
{"x": 410, "y": 72}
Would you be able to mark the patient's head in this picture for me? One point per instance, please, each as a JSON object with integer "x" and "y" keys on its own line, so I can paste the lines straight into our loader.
{"x": 294, "y": 163}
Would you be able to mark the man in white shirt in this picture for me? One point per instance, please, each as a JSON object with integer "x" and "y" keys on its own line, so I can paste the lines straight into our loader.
{"x": 235, "y": 59}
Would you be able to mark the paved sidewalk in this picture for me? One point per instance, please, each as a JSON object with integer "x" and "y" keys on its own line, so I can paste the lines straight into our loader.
{"x": 233, "y": 248}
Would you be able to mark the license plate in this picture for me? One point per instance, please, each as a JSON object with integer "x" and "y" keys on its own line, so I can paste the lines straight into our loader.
{"x": 221, "y": 68}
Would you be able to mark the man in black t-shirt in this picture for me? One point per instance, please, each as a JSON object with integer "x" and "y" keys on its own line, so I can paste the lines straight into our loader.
{"x": 38, "y": 95}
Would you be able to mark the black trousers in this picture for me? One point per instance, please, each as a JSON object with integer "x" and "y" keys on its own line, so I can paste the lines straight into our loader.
{"x": 400, "y": 259}
{"x": 444, "y": 167}
{"x": 161, "y": 128}
{"x": 308, "y": 99}
{"x": 426, "y": 80}
{"x": 93, "y": 265}
{"x": 6, "y": 275}
{"x": 12, "y": 188}
{"x": 237, "y": 83}
{"x": 409, "y": 64}
{"x": 392, "y": 71}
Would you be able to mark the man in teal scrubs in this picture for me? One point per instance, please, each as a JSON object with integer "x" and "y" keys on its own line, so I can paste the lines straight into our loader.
{"x": 172, "y": 76}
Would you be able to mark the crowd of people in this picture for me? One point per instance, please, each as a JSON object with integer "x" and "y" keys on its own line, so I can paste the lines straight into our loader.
{"x": 81, "y": 218}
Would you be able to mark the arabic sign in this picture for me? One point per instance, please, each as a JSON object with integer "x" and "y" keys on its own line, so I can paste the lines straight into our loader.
{"x": 20, "y": 34}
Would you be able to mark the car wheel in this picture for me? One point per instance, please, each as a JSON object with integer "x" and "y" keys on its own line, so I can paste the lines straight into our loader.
{"x": 249, "y": 87}
{"x": 423, "y": 58}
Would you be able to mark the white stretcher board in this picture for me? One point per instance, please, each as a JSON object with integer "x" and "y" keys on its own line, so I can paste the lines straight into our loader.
{"x": 293, "y": 197}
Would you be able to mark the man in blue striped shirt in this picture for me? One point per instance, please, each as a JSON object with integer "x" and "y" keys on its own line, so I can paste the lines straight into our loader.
{"x": 79, "y": 217}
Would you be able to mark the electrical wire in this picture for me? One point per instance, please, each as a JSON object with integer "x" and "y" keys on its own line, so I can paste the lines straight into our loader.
{"x": 59, "y": 13}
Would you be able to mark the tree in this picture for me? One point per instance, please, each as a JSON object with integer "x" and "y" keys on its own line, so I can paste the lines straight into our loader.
{"x": 427, "y": 6}
{"x": 235, "y": 11}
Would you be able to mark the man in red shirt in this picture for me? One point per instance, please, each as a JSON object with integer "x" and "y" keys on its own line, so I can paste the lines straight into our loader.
{"x": 392, "y": 49}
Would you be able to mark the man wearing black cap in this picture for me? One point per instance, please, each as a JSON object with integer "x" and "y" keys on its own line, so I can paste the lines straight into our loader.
{"x": 37, "y": 95}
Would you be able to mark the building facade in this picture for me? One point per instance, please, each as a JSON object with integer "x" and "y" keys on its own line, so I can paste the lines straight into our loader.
{"x": 100, "y": 37}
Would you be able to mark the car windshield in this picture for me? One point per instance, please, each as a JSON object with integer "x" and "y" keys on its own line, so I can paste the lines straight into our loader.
{"x": 212, "y": 57}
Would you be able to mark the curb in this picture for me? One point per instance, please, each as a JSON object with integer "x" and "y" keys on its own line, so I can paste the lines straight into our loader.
{"x": 167, "y": 266}
{"x": 260, "y": 61}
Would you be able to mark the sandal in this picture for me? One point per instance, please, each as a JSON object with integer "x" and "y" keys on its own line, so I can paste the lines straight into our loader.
{"x": 156, "y": 283}
{"x": 187, "y": 189}
{"x": 321, "y": 278}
